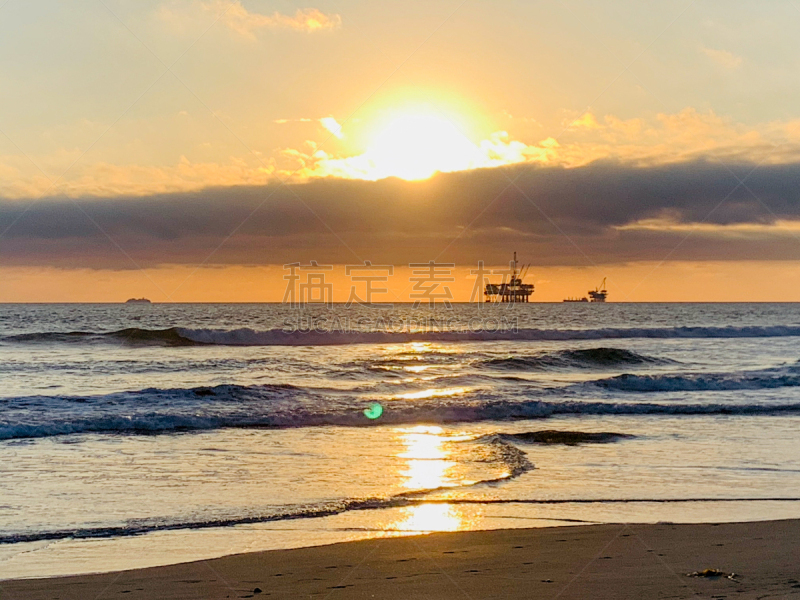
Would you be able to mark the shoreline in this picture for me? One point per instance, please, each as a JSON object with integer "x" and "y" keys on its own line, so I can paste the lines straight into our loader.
{"x": 579, "y": 561}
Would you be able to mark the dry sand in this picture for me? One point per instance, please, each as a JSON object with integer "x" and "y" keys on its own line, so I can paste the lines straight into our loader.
{"x": 586, "y": 562}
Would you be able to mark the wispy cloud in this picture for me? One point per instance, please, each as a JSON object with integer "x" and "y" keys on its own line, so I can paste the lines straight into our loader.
{"x": 333, "y": 126}
{"x": 247, "y": 23}
{"x": 19, "y": 180}
{"x": 723, "y": 58}
{"x": 301, "y": 120}
{"x": 585, "y": 121}
{"x": 329, "y": 123}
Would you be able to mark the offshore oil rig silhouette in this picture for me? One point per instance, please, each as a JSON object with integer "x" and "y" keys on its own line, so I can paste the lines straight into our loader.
{"x": 597, "y": 295}
{"x": 513, "y": 290}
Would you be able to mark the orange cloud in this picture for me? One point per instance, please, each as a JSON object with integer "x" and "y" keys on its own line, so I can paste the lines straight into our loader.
{"x": 246, "y": 23}
{"x": 662, "y": 139}
{"x": 333, "y": 126}
{"x": 376, "y": 163}
{"x": 586, "y": 121}
{"x": 20, "y": 180}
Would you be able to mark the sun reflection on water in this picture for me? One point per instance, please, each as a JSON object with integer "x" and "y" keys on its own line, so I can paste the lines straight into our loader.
{"x": 434, "y": 393}
{"x": 427, "y": 518}
{"x": 417, "y": 368}
{"x": 429, "y": 465}
{"x": 429, "y": 455}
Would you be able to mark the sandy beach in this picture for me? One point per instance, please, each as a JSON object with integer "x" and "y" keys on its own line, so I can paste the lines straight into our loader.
{"x": 757, "y": 560}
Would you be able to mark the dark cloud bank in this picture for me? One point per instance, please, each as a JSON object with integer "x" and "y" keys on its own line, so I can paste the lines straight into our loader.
{"x": 568, "y": 214}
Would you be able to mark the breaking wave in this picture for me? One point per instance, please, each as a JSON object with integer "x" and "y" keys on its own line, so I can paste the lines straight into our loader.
{"x": 129, "y": 336}
{"x": 582, "y": 359}
{"x": 281, "y": 337}
{"x": 711, "y": 382}
{"x": 157, "y": 411}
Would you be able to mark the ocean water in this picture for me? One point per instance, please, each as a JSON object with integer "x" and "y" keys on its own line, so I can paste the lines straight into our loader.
{"x": 136, "y": 435}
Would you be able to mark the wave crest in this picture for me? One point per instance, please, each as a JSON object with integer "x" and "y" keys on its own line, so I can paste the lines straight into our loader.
{"x": 282, "y": 337}
{"x": 713, "y": 382}
{"x": 582, "y": 359}
{"x": 156, "y": 411}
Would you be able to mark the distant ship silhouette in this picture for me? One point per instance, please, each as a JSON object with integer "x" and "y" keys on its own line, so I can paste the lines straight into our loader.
{"x": 596, "y": 295}
{"x": 138, "y": 301}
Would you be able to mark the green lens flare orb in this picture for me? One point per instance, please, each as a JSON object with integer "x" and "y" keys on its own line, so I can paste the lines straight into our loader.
{"x": 374, "y": 411}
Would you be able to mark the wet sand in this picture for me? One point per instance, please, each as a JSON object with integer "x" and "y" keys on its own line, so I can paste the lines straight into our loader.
{"x": 584, "y": 562}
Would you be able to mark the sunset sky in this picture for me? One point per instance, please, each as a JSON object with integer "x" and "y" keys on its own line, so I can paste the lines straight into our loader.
{"x": 185, "y": 150}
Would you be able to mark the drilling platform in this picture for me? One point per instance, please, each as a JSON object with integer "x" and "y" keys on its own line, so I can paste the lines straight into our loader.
{"x": 512, "y": 290}
{"x": 600, "y": 294}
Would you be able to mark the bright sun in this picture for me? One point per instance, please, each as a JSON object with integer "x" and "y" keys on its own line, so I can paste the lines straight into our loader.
{"x": 416, "y": 146}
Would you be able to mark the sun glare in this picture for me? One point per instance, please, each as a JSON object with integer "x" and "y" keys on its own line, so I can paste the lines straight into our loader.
{"x": 415, "y": 143}
{"x": 415, "y": 146}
